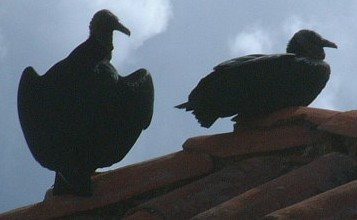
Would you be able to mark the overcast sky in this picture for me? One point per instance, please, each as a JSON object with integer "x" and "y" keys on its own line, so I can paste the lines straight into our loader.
{"x": 178, "y": 42}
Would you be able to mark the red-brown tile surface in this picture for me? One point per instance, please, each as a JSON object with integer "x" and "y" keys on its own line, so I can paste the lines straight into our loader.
{"x": 214, "y": 189}
{"x": 121, "y": 184}
{"x": 337, "y": 203}
{"x": 153, "y": 174}
{"x": 254, "y": 141}
{"x": 315, "y": 116}
{"x": 143, "y": 215}
{"x": 343, "y": 124}
{"x": 191, "y": 183}
{"x": 323, "y": 174}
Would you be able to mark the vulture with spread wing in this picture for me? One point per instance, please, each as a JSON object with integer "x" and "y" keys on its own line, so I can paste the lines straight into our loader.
{"x": 81, "y": 114}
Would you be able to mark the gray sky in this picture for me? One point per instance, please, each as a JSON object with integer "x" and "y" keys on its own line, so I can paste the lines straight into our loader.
{"x": 178, "y": 42}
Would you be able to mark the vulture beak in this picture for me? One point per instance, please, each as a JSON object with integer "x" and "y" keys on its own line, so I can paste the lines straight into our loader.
{"x": 120, "y": 27}
{"x": 327, "y": 43}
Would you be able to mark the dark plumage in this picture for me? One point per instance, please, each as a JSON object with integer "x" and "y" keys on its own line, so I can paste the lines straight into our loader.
{"x": 257, "y": 84}
{"x": 81, "y": 115}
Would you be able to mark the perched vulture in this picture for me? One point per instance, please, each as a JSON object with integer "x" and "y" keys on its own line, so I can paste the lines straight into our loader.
{"x": 81, "y": 115}
{"x": 258, "y": 84}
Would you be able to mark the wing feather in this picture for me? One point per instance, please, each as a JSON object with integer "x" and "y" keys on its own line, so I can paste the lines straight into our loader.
{"x": 239, "y": 84}
{"x": 239, "y": 74}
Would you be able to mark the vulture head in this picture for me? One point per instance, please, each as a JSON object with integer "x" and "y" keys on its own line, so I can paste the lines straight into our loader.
{"x": 102, "y": 26}
{"x": 307, "y": 43}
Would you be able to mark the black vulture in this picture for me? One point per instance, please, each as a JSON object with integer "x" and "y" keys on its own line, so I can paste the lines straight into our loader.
{"x": 258, "y": 84}
{"x": 81, "y": 115}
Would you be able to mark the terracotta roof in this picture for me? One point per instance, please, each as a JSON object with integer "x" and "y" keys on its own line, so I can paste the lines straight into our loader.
{"x": 297, "y": 163}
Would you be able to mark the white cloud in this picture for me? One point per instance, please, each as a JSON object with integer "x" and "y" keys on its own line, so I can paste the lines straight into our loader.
{"x": 258, "y": 39}
{"x": 295, "y": 23}
{"x": 292, "y": 24}
{"x": 251, "y": 41}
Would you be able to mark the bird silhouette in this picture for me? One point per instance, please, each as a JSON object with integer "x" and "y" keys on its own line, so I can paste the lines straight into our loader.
{"x": 258, "y": 84}
{"x": 81, "y": 114}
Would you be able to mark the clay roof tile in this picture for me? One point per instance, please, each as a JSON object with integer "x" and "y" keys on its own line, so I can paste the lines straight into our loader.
{"x": 273, "y": 167}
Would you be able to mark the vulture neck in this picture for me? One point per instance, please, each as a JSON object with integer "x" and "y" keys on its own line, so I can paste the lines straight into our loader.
{"x": 105, "y": 39}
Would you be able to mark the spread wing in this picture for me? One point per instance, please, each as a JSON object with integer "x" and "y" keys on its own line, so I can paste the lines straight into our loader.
{"x": 49, "y": 118}
{"x": 117, "y": 109}
{"x": 139, "y": 98}
{"x": 129, "y": 99}
{"x": 28, "y": 107}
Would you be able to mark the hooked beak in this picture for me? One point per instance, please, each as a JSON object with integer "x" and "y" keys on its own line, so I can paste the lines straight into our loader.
{"x": 327, "y": 43}
{"x": 120, "y": 27}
